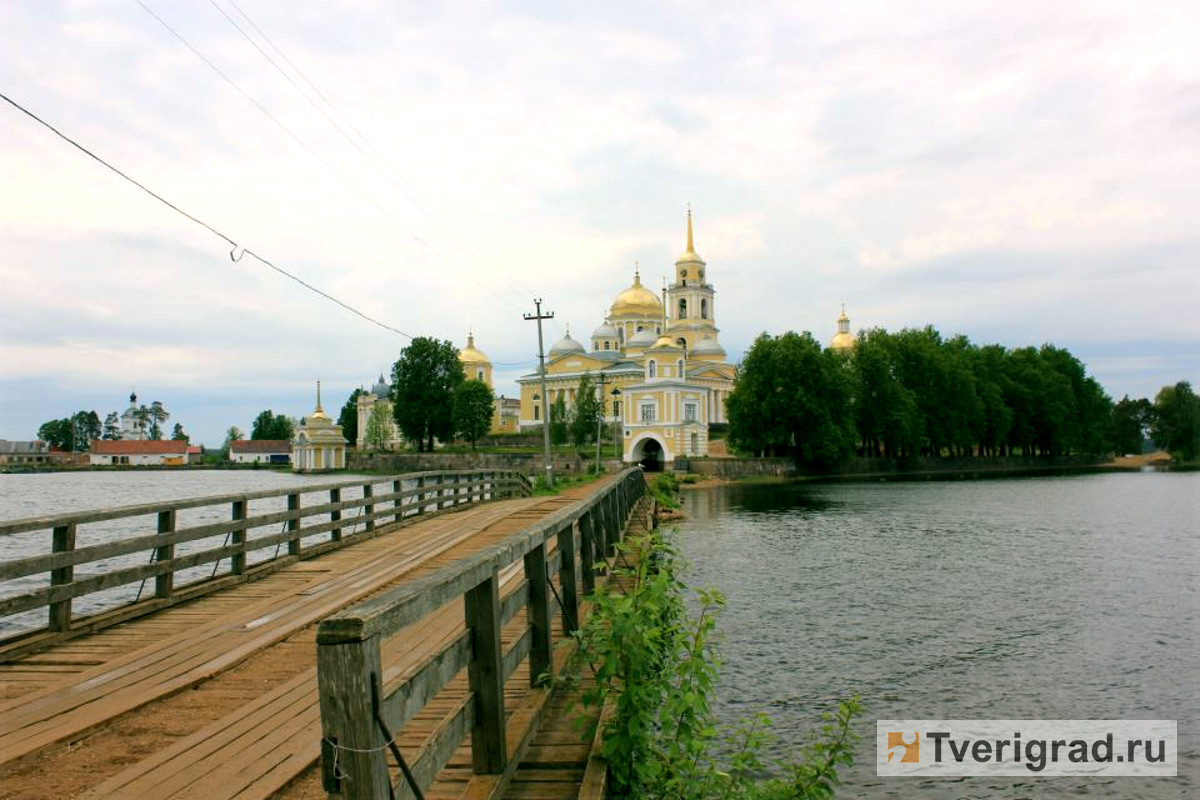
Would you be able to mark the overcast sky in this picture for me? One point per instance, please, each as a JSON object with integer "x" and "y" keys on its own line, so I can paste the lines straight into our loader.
{"x": 1020, "y": 172}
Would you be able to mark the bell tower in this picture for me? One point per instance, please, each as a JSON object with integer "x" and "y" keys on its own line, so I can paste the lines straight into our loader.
{"x": 690, "y": 303}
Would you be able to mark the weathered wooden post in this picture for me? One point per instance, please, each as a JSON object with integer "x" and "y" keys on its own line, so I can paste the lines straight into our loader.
{"x": 164, "y": 583}
{"x": 567, "y": 580}
{"x": 62, "y": 541}
{"x": 237, "y": 562}
{"x": 587, "y": 541}
{"x": 485, "y": 676}
{"x": 293, "y": 524}
{"x": 538, "y": 608}
{"x": 335, "y": 496}
{"x": 369, "y": 507}
{"x": 421, "y": 495}
{"x": 397, "y": 505}
{"x": 353, "y": 752}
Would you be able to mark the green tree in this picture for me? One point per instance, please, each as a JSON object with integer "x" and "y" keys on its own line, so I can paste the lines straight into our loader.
{"x": 157, "y": 415}
{"x": 348, "y": 417}
{"x": 888, "y": 421}
{"x": 268, "y": 425}
{"x": 586, "y": 414}
{"x": 1130, "y": 422}
{"x": 378, "y": 435}
{"x": 178, "y": 434}
{"x": 474, "y": 405}
{"x": 234, "y": 434}
{"x": 86, "y": 427}
{"x": 560, "y": 423}
{"x": 423, "y": 382}
{"x": 792, "y": 396}
{"x": 58, "y": 433}
{"x": 1176, "y": 423}
{"x": 112, "y": 426}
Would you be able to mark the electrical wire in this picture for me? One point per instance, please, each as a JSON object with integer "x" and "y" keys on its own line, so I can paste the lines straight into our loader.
{"x": 312, "y": 152}
{"x": 412, "y": 192}
{"x": 233, "y": 254}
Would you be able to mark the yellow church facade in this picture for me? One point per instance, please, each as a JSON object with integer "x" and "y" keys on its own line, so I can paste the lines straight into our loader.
{"x": 662, "y": 357}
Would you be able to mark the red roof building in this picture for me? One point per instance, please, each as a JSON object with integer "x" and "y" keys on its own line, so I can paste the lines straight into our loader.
{"x": 145, "y": 452}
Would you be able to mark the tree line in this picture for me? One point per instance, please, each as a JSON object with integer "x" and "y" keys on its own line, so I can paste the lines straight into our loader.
{"x": 913, "y": 393}
{"x": 76, "y": 432}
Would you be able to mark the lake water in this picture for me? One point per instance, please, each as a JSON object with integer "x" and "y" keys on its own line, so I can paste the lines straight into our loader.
{"x": 1050, "y": 598}
{"x": 37, "y": 494}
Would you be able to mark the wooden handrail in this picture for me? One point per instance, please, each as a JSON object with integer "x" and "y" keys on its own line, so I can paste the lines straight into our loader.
{"x": 349, "y": 645}
{"x": 376, "y": 510}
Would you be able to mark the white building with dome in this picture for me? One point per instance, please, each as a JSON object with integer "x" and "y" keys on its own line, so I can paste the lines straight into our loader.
{"x": 664, "y": 358}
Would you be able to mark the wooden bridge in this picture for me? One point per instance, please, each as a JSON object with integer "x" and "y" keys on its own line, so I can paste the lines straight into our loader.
{"x": 431, "y": 632}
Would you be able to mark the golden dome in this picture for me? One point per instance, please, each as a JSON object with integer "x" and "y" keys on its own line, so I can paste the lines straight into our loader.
{"x": 666, "y": 341}
{"x": 637, "y": 301}
{"x": 842, "y": 341}
{"x": 470, "y": 354}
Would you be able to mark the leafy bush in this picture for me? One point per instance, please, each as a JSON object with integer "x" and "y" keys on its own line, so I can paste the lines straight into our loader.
{"x": 657, "y": 664}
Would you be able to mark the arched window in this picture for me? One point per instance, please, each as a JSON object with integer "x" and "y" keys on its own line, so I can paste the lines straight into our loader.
{"x": 683, "y": 308}
{"x": 703, "y": 308}
{"x": 651, "y": 369}
{"x": 606, "y": 344}
{"x": 679, "y": 366}
{"x": 537, "y": 413}
{"x": 479, "y": 375}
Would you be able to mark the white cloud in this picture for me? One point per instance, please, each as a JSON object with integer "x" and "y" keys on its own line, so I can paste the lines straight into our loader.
{"x": 1015, "y": 172}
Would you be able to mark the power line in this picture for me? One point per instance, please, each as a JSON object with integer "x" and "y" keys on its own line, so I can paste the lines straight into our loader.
{"x": 233, "y": 254}
{"x": 312, "y": 152}
{"x": 412, "y": 192}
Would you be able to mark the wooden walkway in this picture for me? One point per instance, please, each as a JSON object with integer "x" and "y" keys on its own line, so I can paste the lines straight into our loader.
{"x": 108, "y": 715}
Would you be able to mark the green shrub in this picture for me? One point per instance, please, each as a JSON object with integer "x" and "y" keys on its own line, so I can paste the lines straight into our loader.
{"x": 657, "y": 663}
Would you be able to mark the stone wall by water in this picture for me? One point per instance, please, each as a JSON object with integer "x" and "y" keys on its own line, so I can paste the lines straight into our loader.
{"x": 527, "y": 463}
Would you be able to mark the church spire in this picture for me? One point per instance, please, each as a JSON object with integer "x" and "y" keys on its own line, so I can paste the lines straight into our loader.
{"x": 691, "y": 248}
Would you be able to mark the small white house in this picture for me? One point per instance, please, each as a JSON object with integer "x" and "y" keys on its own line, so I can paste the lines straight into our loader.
{"x": 144, "y": 453}
{"x": 261, "y": 451}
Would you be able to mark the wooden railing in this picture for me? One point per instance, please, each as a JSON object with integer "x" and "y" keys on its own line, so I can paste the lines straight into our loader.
{"x": 359, "y": 714}
{"x": 154, "y": 557}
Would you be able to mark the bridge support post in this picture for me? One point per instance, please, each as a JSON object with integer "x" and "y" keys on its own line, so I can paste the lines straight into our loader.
{"x": 293, "y": 525}
{"x": 237, "y": 561}
{"x": 164, "y": 583}
{"x": 485, "y": 674}
{"x": 63, "y": 541}
{"x": 397, "y": 505}
{"x": 587, "y": 543}
{"x": 539, "y": 613}
{"x": 369, "y": 506}
{"x": 567, "y": 579}
{"x": 353, "y": 755}
{"x": 335, "y": 496}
